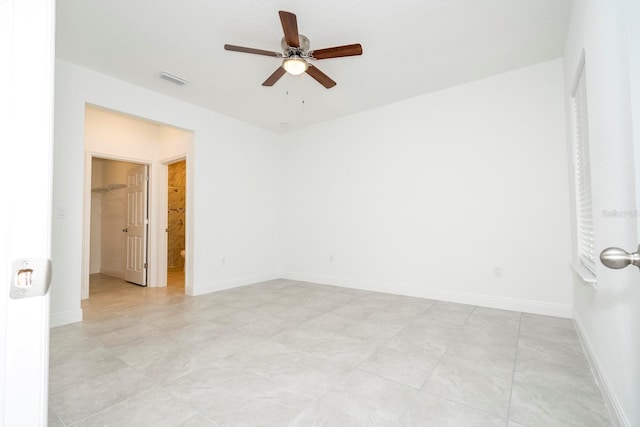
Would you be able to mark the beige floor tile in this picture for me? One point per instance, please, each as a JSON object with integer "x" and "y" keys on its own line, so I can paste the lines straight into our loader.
{"x": 152, "y": 408}
{"x": 470, "y": 386}
{"x": 370, "y": 398}
{"x": 400, "y": 367}
{"x": 291, "y": 353}
{"x": 80, "y": 400}
{"x": 434, "y": 411}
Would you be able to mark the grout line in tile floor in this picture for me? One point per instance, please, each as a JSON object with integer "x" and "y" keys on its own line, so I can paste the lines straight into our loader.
{"x": 506, "y": 420}
{"x": 513, "y": 374}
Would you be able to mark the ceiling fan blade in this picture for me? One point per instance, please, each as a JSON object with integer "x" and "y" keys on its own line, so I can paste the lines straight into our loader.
{"x": 338, "y": 51}
{"x": 320, "y": 77}
{"x": 252, "y": 50}
{"x": 273, "y": 78}
{"x": 290, "y": 28}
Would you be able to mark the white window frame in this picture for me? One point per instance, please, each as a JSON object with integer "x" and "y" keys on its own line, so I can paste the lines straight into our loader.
{"x": 586, "y": 255}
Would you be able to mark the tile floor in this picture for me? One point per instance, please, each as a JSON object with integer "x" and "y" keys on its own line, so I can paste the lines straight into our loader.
{"x": 286, "y": 353}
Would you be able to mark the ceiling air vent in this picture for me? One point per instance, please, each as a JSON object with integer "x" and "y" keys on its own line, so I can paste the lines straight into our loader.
{"x": 172, "y": 78}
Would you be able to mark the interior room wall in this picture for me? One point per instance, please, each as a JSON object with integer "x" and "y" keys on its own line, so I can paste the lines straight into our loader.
{"x": 233, "y": 167}
{"x": 173, "y": 141}
{"x": 608, "y": 316}
{"x": 115, "y": 134}
{"x": 458, "y": 195}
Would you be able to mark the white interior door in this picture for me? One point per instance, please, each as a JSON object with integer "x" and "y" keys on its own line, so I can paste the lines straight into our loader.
{"x": 137, "y": 225}
{"x": 26, "y": 107}
{"x": 609, "y": 314}
{"x": 634, "y": 91}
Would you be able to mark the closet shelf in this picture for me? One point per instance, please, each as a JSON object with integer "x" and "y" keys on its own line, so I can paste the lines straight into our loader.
{"x": 108, "y": 187}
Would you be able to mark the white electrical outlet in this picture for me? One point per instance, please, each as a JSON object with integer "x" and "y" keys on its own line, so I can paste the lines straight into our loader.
{"x": 497, "y": 272}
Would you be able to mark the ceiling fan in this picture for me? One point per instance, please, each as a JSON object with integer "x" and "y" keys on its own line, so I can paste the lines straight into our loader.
{"x": 296, "y": 53}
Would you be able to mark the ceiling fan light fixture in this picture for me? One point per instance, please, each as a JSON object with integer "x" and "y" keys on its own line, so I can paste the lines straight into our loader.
{"x": 295, "y": 65}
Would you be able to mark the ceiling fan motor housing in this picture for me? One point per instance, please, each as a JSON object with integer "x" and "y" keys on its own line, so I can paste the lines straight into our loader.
{"x": 300, "y": 51}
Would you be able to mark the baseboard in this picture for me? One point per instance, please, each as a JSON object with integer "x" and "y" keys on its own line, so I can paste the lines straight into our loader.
{"x": 616, "y": 412}
{"x": 491, "y": 301}
{"x": 65, "y": 318}
{"x": 201, "y": 289}
{"x": 112, "y": 272}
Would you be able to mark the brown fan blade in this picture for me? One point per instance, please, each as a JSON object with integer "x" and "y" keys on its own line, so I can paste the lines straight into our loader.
{"x": 252, "y": 50}
{"x": 273, "y": 78}
{"x": 337, "y": 52}
{"x": 290, "y": 28}
{"x": 320, "y": 77}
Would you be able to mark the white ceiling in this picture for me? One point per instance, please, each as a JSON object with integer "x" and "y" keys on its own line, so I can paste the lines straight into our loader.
{"x": 411, "y": 47}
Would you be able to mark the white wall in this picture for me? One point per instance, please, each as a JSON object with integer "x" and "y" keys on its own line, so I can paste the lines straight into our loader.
{"x": 234, "y": 210}
{"x": 608, "y": 317}
{"x": 113, "y": 133}
{"x": 172, "y": 141}
{"x": 429, "y": 196}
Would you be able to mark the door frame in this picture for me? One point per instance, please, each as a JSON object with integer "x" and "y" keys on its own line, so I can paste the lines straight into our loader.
{"x": 86, "y": 223}
{"x": 163, "y": 207}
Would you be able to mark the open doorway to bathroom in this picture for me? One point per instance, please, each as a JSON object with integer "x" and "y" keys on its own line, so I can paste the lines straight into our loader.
{"x": 176, "y": 223}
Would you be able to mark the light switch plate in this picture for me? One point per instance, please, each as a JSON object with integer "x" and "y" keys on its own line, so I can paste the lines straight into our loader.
{"x": 30, "y": 277}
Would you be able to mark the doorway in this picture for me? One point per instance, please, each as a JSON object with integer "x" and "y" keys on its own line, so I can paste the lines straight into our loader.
{"x": 117, "y": 136}
{"x": 119, "y": 220}
{"x": 176, "y": 224}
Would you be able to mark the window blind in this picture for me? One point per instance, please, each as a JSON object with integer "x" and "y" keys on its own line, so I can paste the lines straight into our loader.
{"x": 584, "y": 209}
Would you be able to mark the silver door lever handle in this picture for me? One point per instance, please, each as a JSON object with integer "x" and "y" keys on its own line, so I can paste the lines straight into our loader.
{"x": 619, "y": 258}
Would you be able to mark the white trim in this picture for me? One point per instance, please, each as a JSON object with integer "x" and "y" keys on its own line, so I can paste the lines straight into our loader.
{"x": 174, "y": 159}
{"x": 584, "y": 274}
{"x": 491, "y": 301}
{"x": 119, "y": 158}
{"x": 162, "y": 226}
{"x": 232, "y": 283}
{"x": 85, "y": 267}
{"x": 65, "y": 318}
{"x": 616, "y": 412}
